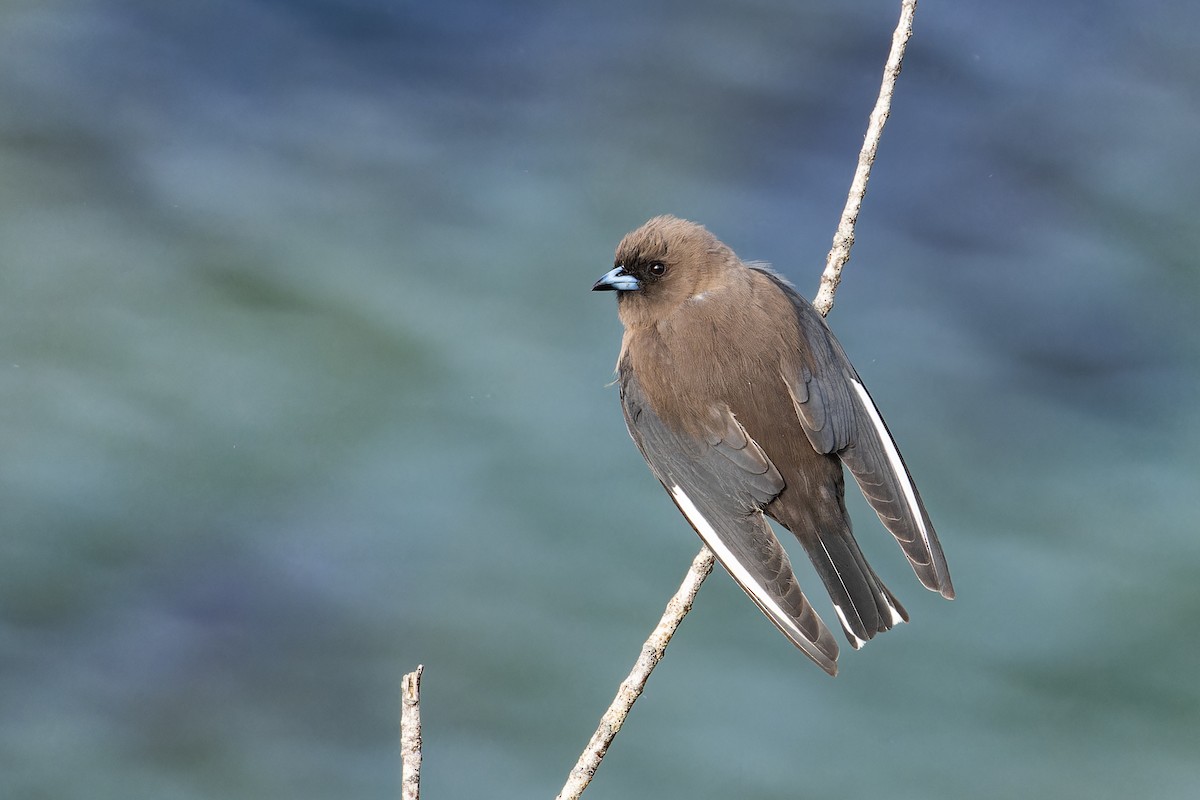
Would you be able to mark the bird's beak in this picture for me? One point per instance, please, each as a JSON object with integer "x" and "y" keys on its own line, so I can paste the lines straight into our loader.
{"x": 617, "y": 280}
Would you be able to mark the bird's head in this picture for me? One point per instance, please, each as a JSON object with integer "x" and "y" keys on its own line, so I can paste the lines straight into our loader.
{"x": 664, "y": 264}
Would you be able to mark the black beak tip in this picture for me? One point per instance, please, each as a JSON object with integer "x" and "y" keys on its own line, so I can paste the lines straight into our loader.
{"x": 616, "y": 280}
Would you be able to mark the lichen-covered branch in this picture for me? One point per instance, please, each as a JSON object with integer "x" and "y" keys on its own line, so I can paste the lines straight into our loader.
{"x": 631, "y": 687}
{"x": 410, "y": 735}
{"x": 843, "y": 239}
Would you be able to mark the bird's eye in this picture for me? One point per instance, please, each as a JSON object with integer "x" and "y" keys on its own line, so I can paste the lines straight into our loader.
{"x": 658, "y": 268}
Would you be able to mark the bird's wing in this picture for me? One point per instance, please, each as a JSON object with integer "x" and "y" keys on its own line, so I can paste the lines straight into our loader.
{"x": 839, "y": 416}
{"x": 720, "y": 481}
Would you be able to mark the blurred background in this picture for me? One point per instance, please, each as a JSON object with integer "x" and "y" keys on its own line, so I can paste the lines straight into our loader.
{"x": 302, "y": 385}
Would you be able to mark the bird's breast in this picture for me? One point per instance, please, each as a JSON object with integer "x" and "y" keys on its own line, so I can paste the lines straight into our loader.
{"x": 690, "y": 366}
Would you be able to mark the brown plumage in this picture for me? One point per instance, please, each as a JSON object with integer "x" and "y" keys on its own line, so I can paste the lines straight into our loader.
{"x": 744, "y": 405}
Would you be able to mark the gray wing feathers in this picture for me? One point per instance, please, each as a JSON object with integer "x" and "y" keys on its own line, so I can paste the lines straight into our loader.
{"x": 839, "y": 416}
{"x": 823, "y": 411}
{"x": 720, "y": 482}
{"x": 877, "y": 465}
{"x": 750, "y": 552}
{"x": 761, "y": 478}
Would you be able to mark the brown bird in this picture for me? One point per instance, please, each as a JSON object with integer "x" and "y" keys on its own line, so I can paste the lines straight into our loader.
{"x": 744, "y": 404}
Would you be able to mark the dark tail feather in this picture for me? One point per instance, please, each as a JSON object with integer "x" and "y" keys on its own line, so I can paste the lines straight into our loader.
{"x": 863, "y": 604}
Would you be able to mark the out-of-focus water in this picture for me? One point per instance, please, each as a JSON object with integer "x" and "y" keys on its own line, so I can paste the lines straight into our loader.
{"x": 302, "y": 385}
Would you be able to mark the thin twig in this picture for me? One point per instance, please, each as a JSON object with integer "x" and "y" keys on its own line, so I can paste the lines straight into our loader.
{"x": 679, "y": 605}
{"x": 631, "y": 687}
{"x": 843, "y": 239}
{"x": 410, "y": 734}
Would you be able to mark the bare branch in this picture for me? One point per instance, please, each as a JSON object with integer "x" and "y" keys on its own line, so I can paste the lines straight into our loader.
{"x": 843, "y": 239}
{"x": 410, "y": 734}
{"x": 631, "y": 688}
{"x": 679, "y": 605}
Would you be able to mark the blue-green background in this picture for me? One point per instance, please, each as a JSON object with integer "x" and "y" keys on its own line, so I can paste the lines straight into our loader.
{"x": 301, "y": 384}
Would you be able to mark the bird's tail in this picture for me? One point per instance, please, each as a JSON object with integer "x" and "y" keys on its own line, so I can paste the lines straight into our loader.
{"x": 863, "y": 604}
